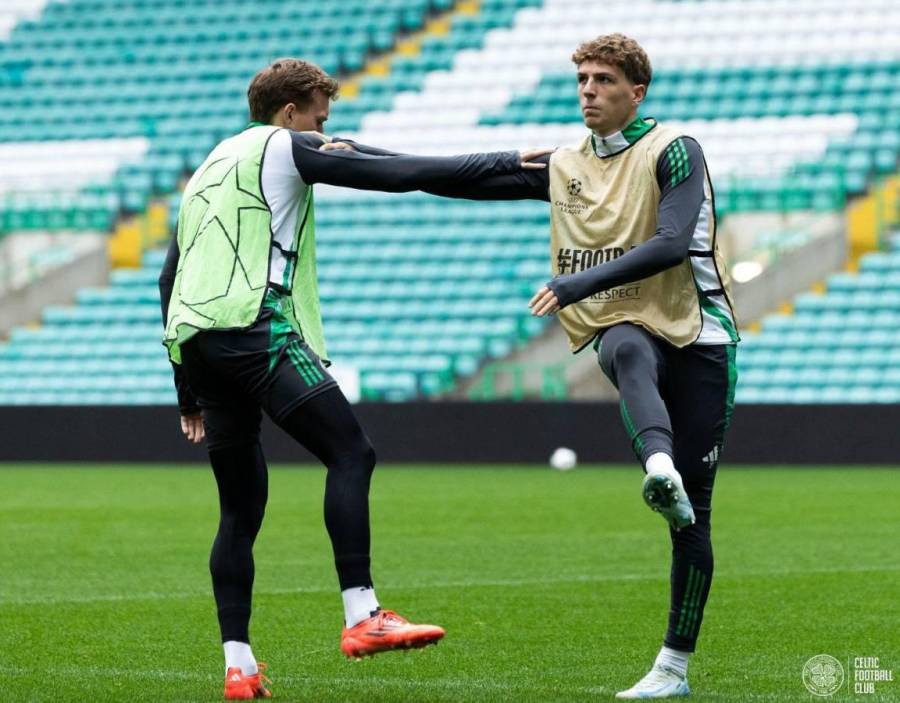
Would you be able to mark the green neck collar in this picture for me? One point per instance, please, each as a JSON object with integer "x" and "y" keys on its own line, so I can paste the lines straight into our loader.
{"x": 637, "y": 129}
{"x": 621, "y": 140}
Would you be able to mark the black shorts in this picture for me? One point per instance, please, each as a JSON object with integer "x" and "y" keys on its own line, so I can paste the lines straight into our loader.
{"x": 236, "y": 374}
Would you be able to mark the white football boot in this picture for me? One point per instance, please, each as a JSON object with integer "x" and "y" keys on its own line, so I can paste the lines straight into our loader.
{"x": 665, "y": 494}
{"x": 660, "y": 682}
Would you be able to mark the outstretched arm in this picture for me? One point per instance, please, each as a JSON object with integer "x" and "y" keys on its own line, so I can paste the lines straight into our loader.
{"x": 528, "y": 184}
{"x": 531, "y": 184}
{"x": 681, "y": 198}
{"x": 393, "y": 172}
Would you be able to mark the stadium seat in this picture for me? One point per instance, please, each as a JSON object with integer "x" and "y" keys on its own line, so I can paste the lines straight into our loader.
{"x": 843, "y": 346}
{"x": 413, "y": 306}
{"x": 417, "y": 292}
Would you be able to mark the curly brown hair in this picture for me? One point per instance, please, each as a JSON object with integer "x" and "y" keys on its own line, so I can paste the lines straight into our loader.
{"x": 618, "y": 50}
{"x": 287, "y": 81}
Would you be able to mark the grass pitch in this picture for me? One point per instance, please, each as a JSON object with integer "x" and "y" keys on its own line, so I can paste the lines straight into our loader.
{"x": 552, "y": 586}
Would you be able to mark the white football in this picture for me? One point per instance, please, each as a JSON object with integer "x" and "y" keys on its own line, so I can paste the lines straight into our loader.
{"x": 563, "y": 459}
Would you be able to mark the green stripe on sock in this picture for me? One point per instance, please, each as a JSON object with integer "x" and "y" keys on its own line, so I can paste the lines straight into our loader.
{"x": 695, "y": 607}
{"x": 694, "y": 599}
{"x": 639, "y": 445}
{"x": 685, "y": 600}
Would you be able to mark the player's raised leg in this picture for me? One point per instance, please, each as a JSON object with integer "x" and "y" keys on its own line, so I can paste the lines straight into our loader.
{"x": 326, "y": 425}
{"x": 700, "y": 393}
{"x": 632, "y": 360}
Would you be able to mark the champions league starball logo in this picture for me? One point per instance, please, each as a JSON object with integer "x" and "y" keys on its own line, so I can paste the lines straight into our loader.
{"x": 573, "y": 205}
{"x": 823, "y": 675}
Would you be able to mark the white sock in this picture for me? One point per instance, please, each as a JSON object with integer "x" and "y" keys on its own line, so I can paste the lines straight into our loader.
{"x": 673, "y": 659}
{"x": 661, "y": 463}
{"x": 240, "y": 655}
{"x": 359, "y": 603}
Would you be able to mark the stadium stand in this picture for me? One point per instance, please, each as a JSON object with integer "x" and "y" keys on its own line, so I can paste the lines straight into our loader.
{"x": 840, "y": 342}
{"x": 14, "y": 11}
{"x": 415, "y": 293}
{"x": 104, "y": 80}
{"x": 869, "y": 90}
{"x": 406, "y": 70}
{"x": 403, "y": 302}
{"x": 840, "y": 346}
{"x": 825, "y": 78}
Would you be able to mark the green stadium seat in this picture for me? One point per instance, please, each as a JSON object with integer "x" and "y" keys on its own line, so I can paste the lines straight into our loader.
{"x": 415, "y": 291}
{"x": 841, "y": 347}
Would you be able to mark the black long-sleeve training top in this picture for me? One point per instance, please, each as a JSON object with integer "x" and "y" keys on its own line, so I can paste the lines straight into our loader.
{"x": 367, "y": 168}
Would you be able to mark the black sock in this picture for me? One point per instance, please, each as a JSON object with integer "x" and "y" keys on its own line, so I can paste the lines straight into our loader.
{"x": 692, "y": 571}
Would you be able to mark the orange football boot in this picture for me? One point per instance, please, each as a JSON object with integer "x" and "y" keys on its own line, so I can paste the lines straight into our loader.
{"x": 245, "y": 688}
{"x": 385, "y": 631}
